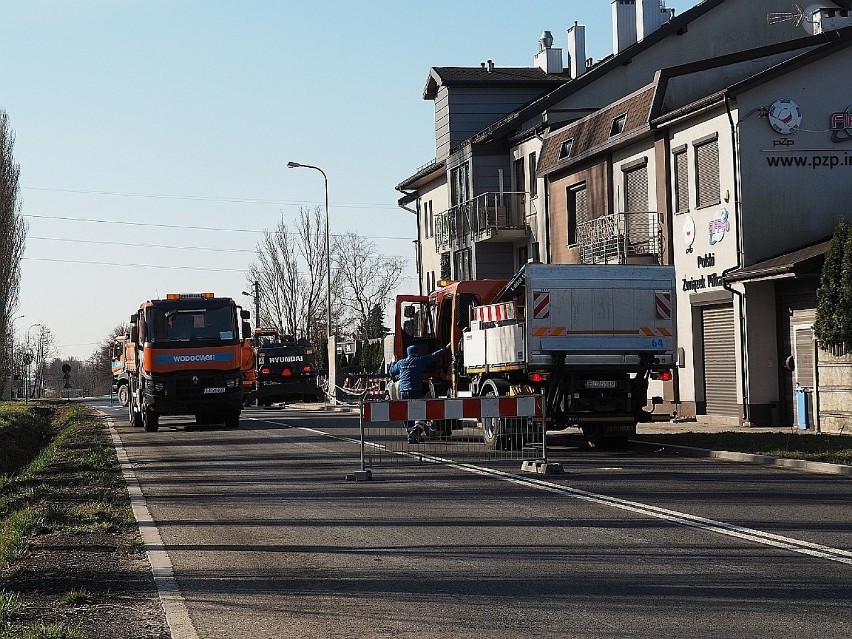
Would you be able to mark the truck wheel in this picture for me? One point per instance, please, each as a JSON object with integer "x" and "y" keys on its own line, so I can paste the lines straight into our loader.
{"x": 123, "y": 394}
{"x": 495, "y": 430}
{"x": 232, "y": 420}
{"x": 135, "y": 417}
{"x": 151, "y": 420}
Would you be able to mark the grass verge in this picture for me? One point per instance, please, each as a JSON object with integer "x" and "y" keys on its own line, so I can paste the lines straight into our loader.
{"x": 72, "y": 564}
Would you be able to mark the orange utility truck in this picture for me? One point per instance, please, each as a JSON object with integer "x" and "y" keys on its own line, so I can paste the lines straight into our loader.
{"x": 183, "y": 357}
{"x": 586, "y": 337}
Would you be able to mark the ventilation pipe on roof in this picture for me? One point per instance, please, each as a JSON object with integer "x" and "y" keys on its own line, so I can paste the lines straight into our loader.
{"x": 650, "y": 16}
{"x": 548, "y": 58}
{"x": 623, "y": 24}
{"x": 489, "y": 65}
{"x": 577, "y": 49}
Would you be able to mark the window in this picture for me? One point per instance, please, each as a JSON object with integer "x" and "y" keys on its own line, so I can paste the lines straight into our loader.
{"x": 618, "y": 125}
{"x": 428, "y": 221}
{"x": 707, "y": 191}
{"x": 459, "y": 184}
{"x": 565, "y": 151}
{"x": 636, "y": 190}
{"x": 462, "y": 265}
{"x": 578, "y": 210}
{"x": 520, "y": 176}
{"x": 533, "y": 180}
{"x": 681, "y": 182}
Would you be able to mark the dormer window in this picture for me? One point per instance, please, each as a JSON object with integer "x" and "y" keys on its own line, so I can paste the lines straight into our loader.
{"x": 618, "y": 125}
{"x": 565, "y": 151}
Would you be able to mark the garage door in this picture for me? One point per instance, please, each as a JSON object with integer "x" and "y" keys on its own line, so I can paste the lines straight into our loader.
{"x": 720, "y": 366}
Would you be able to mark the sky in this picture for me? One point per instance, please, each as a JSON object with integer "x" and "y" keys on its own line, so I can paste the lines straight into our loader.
{"x": 153, "y": 136}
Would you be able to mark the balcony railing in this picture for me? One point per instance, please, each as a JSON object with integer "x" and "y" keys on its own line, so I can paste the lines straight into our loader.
{"x": 481, "y": 218}
{"x": 620, "y": 238}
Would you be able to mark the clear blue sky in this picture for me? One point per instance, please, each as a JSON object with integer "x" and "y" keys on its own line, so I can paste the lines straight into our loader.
{"x": 185, "y": 113}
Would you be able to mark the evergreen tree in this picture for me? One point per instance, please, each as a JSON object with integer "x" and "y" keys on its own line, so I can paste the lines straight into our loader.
{"x": 374, "y": 326}
{"x": 845, "y": 303}
{"x": 833, "y": 310}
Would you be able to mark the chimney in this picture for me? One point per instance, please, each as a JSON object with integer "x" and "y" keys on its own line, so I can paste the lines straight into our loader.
{"x": 548, "y": 59}
{"x": 650, "y": 16}
{"x": 489, "y": 65}
{"x": 577, "y": 49}
{"x": 623, "y": 24}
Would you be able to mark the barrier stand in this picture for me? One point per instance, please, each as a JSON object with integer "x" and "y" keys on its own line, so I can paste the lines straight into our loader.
{"x": 542, "y": 466}
{"x": 363, "y": 474}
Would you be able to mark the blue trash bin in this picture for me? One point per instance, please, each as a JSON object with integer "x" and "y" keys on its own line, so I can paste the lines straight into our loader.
{"x": 802, "y": 407}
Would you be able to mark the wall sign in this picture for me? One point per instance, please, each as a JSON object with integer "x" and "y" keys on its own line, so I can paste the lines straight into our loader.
{"x": 784, "y": 116}
{"x": 841, "y": 125}
{"x": 688, "y": 232}
{"x": 718, "y": 226}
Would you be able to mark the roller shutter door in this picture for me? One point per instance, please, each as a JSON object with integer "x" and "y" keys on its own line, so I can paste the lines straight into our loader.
{"x": 720, "y": 367}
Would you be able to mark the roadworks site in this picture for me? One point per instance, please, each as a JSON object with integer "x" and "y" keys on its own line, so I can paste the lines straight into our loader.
{"x": 72, "y": 561}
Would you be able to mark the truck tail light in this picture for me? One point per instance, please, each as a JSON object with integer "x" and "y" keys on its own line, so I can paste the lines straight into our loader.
{"x": 286, "y": 372}
{"x": 538, "y": 376}
{"x": 663, "y": 376}
{"x": 265, "y": 370}
{"x": 307, "y": 369}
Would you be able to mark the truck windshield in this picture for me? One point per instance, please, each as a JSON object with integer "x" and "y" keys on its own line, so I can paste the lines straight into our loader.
{"x": 191, "y": 324}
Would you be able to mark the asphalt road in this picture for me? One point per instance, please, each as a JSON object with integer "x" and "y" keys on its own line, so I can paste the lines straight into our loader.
{"x": 268, "y": 539}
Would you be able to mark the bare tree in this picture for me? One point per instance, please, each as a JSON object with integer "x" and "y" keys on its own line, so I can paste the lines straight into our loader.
{"x": 291, "y": 274}
{"x": 13, "y": 231}
{"x": 365, "y": 279}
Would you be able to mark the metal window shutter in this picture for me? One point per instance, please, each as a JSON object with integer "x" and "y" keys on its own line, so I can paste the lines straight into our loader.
{"x": 707, "y": 173}
{"x": 681, "y": 183}
{"x": 720, "y": 368}
{"x": 636, "y": 190}
{"x": 581, "y": 204}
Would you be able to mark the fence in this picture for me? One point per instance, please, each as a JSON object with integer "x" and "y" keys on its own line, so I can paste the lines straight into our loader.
{"x": 471, "y": 428}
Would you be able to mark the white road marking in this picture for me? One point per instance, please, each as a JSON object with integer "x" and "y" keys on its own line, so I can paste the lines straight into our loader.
{"x": 174, "y": 606}
{"x": 684, "y": 519}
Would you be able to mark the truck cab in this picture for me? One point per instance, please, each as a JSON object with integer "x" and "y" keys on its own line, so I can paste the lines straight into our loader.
{"x": 441, "y": 318}
{"x": 186, "y": 360}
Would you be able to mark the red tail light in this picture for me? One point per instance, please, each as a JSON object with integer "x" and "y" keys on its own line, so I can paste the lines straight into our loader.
{"x": 307, "y": 369}
{"x": 286, "y": 372}
{"x": 665, "y": 376}
{"x": 265, "y": 370}
{"x": 538, "y": 377}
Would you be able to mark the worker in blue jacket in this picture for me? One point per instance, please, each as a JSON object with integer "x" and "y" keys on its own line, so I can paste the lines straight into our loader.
{"x": 410, "y": 371}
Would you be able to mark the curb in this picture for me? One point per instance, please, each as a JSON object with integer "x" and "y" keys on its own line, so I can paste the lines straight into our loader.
{"x": 750, "y": 458}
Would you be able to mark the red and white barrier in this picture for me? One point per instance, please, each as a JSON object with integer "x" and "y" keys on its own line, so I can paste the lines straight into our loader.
{"x": 462, "y": 408}
{"x": 495, "y": 312}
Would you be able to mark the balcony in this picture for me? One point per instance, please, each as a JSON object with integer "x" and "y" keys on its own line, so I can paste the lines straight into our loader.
{"x": 490, "y": 216}
{"x": 621, "y": 238}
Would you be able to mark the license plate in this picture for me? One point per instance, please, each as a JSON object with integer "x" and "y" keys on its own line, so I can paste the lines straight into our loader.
{"x": 601, "y": 383}
{"x": 212, "y": 391}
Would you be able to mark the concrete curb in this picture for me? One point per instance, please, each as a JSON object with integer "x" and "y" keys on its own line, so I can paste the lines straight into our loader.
{"x": 749, "y": 458}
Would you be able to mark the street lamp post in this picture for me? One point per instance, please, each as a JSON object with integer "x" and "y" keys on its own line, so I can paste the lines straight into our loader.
{"x": 295, "y": 165}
